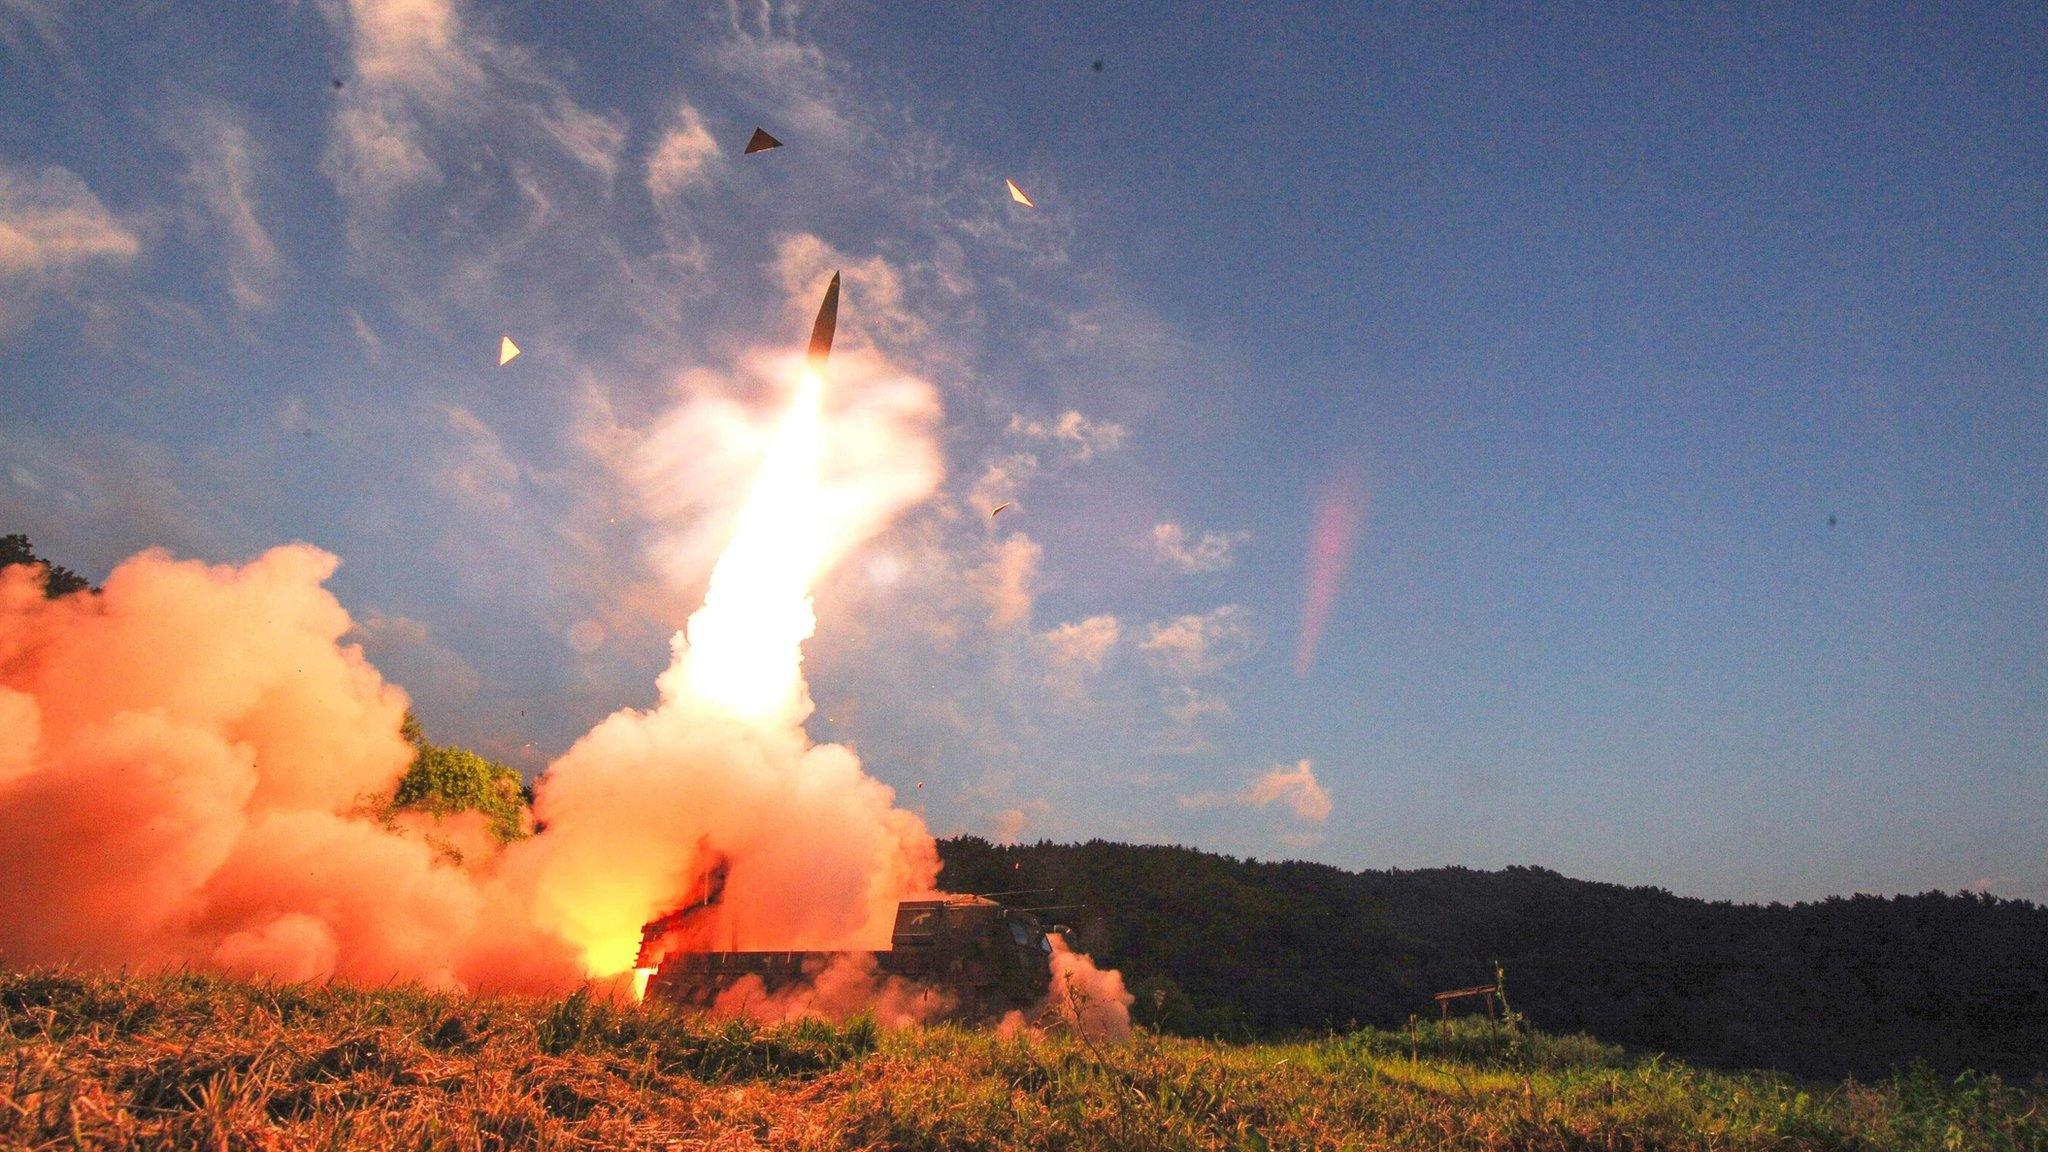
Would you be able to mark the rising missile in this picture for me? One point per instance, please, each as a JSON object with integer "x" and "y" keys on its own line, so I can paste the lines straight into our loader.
{"x": 823, "y": 327}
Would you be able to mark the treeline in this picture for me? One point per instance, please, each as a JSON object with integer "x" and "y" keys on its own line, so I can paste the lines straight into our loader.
{"x": 1214, "y": 945}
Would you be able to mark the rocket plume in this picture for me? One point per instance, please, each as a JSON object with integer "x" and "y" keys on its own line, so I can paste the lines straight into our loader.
{"x": 189, "y": 758}
{"x": 743, "y": 650}
{"x": 720, "y": 770}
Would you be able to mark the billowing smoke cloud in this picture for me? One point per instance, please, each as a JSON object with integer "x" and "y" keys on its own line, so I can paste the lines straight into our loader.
{"x": 191, "y": 762}
{"x": 1083, "y": 997}
{"x": 183, "y": 760}
{"x": 187, "y": 760}
{"x": 648, "y": 801}
{"x": 847, "y": 985}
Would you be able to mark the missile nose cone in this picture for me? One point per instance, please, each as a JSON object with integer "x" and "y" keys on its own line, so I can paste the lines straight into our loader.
{"x": 827, "y": 323}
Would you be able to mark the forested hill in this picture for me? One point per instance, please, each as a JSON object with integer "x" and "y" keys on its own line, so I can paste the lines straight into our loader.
{"x": 1856, "y": 986}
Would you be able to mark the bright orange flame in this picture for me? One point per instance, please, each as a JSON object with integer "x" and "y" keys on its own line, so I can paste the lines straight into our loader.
{"x": 745, "y": 644}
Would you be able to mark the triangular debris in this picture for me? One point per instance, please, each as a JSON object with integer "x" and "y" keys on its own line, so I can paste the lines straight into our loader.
{"x": 506, "y": 350}
{"x": 761, "y": 142}
{"x": 1018, "y": 195}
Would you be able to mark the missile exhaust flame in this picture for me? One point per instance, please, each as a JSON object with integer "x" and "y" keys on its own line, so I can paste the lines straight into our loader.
{"x": 745, "y": 643}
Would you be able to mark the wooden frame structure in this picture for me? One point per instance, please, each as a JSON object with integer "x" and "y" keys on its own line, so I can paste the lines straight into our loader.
{"x": 1443, "y": 999}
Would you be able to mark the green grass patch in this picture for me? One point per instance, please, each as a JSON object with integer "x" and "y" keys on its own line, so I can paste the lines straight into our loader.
{"x": 193, "y": 1060}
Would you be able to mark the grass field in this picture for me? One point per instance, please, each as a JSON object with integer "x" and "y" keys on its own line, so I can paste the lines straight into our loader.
{"x": 192, "y": 1061}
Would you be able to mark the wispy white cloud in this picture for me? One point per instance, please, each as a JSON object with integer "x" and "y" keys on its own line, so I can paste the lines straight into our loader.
{"x": 1188, "y": 706}
{"x": 438, "y": 102}
{"x": 1074, "y": 653}
{"x": 1081, "y": 645}
{"x": 1210, "y": 552}
{"x": 1011, "y": 823}
{"x": 223, "y": 166}
{"x": 1002, "y": 480}
{"x": 1296, "y": 788}
{"x": 1201, "y": 644}
{"x": 373, "y": 344}
{"x": 52, "y": 230}
{"x": 404, "y": 651}
{"x": 1080, "y": 436}
{"x": 682, "y": 159}
{"x": 1008, "y": 580}
{"x": 477, "y": 469}
{"x": 1293, "y": 787}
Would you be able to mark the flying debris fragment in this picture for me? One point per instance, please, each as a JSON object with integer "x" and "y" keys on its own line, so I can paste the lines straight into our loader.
{"x": 823, "y": 327}
{"x": 761, "y": 142}
{"x": 1018, "y": 195}
{"x": 993, "y": 512}
{"x": 506, "y": 350}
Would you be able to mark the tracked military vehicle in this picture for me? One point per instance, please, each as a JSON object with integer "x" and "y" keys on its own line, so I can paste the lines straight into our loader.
{"x": 984, "y": 957}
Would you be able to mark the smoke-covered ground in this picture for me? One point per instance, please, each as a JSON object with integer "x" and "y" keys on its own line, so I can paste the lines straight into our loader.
{"x": 191, "y": 759}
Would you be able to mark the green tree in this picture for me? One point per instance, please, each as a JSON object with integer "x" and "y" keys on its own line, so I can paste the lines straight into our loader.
{"x": 57, "y": 579}
{"x": 444, "y": 780}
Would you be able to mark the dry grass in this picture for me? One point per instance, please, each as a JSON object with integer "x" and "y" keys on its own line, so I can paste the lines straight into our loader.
{"x": 192, "y": 1061}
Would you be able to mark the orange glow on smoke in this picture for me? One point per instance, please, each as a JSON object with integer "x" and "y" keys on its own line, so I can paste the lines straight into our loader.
{"x": 721, "y": 768}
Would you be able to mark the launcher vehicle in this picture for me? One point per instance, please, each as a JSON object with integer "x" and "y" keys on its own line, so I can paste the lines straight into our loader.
{"x": 989, "y": 958}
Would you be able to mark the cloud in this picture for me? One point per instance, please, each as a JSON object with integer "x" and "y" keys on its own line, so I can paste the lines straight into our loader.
{"x": 478, "y": 469}
{"x": 1188, "y": 706}
{"x": 1293, "y": 787}
{"x": 434, "y": 676}
{"x": 1081, "y": 437}
{"x": 1006, "y": 580}
{"x": 1011, "y": 822}
{"x": 222, "y": 165}
{"x": 373, "y": 344}
{"x": 1211, "y": 553}
{"x": 1190, "y": 712}
{"x": 1075, "y": 651}
{"x": 1082, "y": 645}
{"x": 98, "y": 496}
{"x": 52, "y": 228}
{"x": 1002, "y": 480}
{"x": 437, "y": 104}
{"x": 683, "y": 158}
{"x": 1201, "y": 644}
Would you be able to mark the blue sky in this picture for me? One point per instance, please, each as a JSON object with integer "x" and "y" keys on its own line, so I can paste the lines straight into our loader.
{"x": 1685, "y": 372}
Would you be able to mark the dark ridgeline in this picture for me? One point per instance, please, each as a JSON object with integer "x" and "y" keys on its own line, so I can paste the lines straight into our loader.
{"x": 1846, "y": 986}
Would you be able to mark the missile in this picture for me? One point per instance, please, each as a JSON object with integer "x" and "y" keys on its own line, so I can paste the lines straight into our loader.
{"x": 824, "y": 326}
